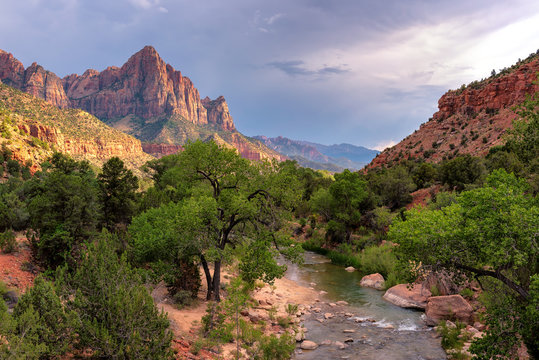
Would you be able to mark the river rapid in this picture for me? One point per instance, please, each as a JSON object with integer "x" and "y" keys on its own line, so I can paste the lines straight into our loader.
{"x": 375, "y": 329}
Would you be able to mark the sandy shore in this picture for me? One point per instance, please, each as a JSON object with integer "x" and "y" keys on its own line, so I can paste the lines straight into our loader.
{"x": 185, "y": 323}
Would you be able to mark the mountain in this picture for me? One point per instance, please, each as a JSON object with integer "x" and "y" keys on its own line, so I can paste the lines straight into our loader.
{"x": 32, "y": 129}
{"x": 470, "y": 120}
{"x": 146, "y": 98}
{"x": 318, "y": 156}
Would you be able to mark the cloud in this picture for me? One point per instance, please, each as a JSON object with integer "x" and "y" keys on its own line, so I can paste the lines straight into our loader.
{"x": 298, "y": 67}
{"x": 381, "y": 146}
{"x": 148, "y": 4}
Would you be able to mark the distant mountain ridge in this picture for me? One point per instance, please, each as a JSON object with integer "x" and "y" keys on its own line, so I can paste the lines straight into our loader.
{"x": 470, "y": 120}
{"x": 324, "y": 157}
{"x": 145, "y": 97}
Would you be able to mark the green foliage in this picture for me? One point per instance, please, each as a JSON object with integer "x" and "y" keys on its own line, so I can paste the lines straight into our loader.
{"x": 424, "y": 175}
{"x": 342, "y": 204}
{"x": 221, "y": 202}
{"x": 13, "y": 209}
{"x": 276, "y": 348}
{"x": 490, "y": 232}
{"x": 13, "y": 167}
{"x": 115, "y": 312}
{"x": 117, "y": 187}
{"x": 8, "y": 243}
{"x": 450, "y": 335}
{"x": 392, "y": 186}
{"x": 55, "y": 326}
{"x": 378, "y": 259}
{"x": 64, "y": 209}
{"x": 461, "y": 171}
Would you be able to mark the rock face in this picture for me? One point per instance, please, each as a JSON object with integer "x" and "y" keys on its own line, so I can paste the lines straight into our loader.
{"x": 146, "y": 98}
{"x": 160, "y": 150}
{"x": 218, "y": 113}
{"x": 470, "y": 120}
{"x": 449, "y": 307}
{"x": 375, "y": 281}
{"x": 414, "y": 297}
{"x": 73, "y": 132}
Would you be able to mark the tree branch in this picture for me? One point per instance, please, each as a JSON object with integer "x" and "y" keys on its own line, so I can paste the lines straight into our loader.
{"x": 497, "y": 275}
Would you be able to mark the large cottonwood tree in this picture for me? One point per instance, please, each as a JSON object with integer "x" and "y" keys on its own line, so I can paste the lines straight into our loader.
{"x": 231, "y": 207}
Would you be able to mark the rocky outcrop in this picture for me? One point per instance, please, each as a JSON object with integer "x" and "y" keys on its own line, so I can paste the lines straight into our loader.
{"x": 218, "y": 113}
{"x": 160, "y": 150}
{"x": 73, "y": 132}
{"x": 470, "y": 120}
{"x": 145, "y": 86}
{"x": 375, "y": 281}
{"x": 406, "y": 296}
{"x": 146, "y": 98}
{"x": 34, "y": 80}
{"x": 451, "y": 307}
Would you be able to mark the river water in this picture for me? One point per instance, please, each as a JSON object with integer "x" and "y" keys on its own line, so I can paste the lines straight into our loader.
{"x": 381, "y": 330}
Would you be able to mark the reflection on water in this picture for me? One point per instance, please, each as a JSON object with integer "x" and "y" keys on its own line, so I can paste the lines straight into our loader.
{"x": 406, "y": 338}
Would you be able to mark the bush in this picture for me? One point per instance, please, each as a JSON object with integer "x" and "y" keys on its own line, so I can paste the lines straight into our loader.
{"x": 8, "y": 243}
{"x": 276, "y": 348}
{"x": 378, "y": 259}
{"x": 117, "y": 317}
{"x": 55, "y": 325}
{"x": 13, "y": 167}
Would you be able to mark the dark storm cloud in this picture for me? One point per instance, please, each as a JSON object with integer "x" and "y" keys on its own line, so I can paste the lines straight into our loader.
{"x": 359, "y": 71}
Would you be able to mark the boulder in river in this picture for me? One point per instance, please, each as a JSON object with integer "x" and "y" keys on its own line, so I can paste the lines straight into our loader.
{"x": 350, "y": 268}
{"x": 308, "y": 345}
{"x": 375, "y": 281}
{"x": 448, "y": 307}
{"x": 406, "y": 296}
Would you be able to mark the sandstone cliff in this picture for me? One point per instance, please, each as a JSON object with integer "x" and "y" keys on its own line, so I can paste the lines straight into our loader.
{"x": 36, "y": 128}
{"x": 470, "y": 120}
{"x": 146, "y": 98}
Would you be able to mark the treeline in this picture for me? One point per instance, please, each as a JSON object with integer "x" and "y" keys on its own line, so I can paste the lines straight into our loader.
{"x": 101, "y": 242}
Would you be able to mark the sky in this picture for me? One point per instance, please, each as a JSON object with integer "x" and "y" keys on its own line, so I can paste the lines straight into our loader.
{"x": 365, "y": 72}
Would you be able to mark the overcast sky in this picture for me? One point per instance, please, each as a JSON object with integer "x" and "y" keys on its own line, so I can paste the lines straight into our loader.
{"x": 366, "y": 72}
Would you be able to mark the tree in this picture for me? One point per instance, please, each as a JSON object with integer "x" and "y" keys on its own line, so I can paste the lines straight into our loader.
{"x": 461, "y": 171}
{"x": 117, "y": 187}
{"x": 64, "y": 209}
{"x": 489, "y": 234}
{"x": 230, "y": 203}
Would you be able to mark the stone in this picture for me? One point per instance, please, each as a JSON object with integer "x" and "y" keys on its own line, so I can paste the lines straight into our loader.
{"x": 340, "y": 345}
{"x": 348, "y": 340}
{"x": 300, "y": 336}
{"x": 375, "y": 281}
{"x": 328, "y": 315}
{"x": 308, "y": 345}
{"x": 350, "y": 269}
{"x": 448, "y": 307}
{"x": 332, "y": 304}
{"x": 342, "y": 303}
{"x": 479, "y": 326}
{"x": 326, "y": 342}
{"x": 414, "y": 297}
{"x": 348, "y": 331}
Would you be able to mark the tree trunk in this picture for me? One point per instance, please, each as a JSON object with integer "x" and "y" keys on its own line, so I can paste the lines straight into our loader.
{"x": 209, "y": 281}
{"x": 216, "y": 280}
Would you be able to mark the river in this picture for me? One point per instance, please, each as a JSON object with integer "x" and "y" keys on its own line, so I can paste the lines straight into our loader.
{"x": 375, "y": 328}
